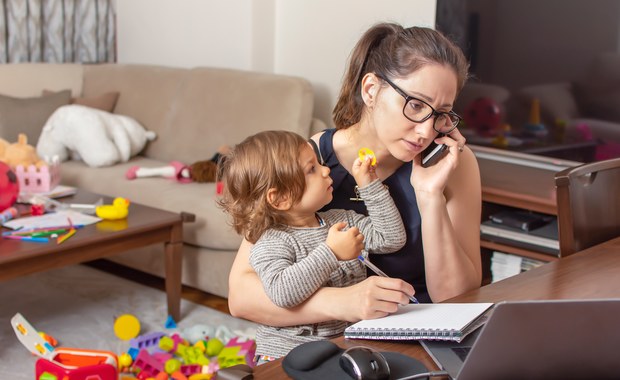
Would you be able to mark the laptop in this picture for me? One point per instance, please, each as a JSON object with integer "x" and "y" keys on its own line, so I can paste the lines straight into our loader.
{"x": 560, "y": 339}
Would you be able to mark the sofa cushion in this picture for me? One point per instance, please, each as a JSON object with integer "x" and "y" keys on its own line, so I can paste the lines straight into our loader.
{"x": 28, "y": 115}
{"x": 27, "y": 80}
{"x": 103, "y": 102}
{"x": 216, "y": 107}
{"x": 209, "y": 230}
{"x": 556, "y": 100}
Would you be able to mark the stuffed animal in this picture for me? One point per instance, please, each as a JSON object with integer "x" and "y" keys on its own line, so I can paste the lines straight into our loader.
{"x": 200, "y": 171}
{"x": 19, "y": 153}
{"x": 98, "y": 138}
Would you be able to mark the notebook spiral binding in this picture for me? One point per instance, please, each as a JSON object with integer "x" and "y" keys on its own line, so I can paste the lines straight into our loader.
{"x": 402, "y": 334}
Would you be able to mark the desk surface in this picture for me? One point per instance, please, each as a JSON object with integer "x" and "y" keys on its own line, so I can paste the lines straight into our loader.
{"x": 589, "y": 274}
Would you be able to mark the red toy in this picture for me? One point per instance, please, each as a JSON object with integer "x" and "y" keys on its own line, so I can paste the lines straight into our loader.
{"x": 9, "y": 186}
{"x": 64, "y": 363}
{"x": 484, "y": 116}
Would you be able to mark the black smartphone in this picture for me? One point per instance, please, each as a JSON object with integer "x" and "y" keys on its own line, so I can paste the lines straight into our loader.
{"x": 433, "y": 153}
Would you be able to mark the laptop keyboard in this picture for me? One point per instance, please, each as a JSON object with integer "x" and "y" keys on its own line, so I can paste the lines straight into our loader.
{"x": 461, "y": 352}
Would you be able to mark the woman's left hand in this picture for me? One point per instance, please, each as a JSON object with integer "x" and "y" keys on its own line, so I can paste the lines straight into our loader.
{"x": 433, "y": 179}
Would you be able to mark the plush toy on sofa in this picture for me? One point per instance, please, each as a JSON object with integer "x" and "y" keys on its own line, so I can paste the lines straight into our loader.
{"x": 19, "y": 153}
{"x": 98, "y": 138}
{"x": 200, "y": 171}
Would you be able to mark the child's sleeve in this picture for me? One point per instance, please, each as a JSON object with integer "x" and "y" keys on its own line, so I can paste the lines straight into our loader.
{"x": 383, "y": 228}
{"x": 288, "y": 281}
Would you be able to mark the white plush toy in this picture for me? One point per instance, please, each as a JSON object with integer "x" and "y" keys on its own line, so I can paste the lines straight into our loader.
{"x": 96, "y": 137}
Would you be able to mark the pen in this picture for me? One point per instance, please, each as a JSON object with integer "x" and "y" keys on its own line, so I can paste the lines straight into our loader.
{"x": 379, "y": 272}
{"x": 27, "y": 238}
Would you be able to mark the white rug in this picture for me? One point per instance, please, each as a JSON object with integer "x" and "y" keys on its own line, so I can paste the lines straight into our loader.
{"x": 78, "y": 305}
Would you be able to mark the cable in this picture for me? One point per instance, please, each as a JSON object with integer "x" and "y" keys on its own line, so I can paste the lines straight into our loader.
{"x": 425, "y": 375}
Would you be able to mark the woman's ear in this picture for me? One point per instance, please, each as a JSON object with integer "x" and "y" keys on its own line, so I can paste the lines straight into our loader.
{"x": 278, "y": 201}
{"x": 370, "y": 88}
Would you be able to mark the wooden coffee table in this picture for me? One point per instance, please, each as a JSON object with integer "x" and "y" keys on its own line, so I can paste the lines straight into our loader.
{"x": 144, "y": 226}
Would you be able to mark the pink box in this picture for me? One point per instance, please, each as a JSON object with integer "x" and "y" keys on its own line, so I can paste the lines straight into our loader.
{"x": 36, "y": 180}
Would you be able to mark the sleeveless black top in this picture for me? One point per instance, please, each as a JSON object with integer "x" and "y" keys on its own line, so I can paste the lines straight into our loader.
{"x": 407, "y": 263}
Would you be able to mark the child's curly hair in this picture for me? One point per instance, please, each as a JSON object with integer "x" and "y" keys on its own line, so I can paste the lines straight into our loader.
{"x": 266, "y": 160}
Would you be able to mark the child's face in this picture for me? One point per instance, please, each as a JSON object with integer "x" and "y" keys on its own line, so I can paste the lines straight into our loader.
{"x": 318, "y": 182}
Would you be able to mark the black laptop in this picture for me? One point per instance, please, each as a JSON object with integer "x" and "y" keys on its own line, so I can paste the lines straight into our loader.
{"x": 560, "y": 339}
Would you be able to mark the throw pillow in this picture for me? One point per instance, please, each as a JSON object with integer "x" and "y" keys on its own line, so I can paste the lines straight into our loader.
{"x": 28, "y": 115}
{"x": 104, "y": 102}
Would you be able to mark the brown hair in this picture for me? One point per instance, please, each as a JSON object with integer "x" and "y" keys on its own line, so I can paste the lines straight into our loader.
{"x": 392, "y": 50}
{"x": 261, "y": 162}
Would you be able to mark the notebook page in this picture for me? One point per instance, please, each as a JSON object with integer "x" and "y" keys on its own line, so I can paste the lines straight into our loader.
{"x": 439, "y": 316}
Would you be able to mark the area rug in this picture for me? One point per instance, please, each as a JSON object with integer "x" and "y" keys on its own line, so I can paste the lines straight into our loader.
{"x": 78, "y": 305}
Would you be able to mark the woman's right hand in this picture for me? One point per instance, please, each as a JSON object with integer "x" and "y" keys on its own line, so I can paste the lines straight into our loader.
{"x": 375, "y": 297}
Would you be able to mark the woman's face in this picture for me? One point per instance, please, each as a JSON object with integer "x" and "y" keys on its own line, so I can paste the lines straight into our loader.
{"x": 404, "y": 139}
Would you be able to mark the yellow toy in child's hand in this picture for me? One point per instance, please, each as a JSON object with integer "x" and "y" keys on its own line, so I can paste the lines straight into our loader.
{"x": 365, "y": 152}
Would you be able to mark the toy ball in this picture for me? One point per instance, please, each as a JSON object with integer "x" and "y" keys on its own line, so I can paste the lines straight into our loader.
{"x": 484, "y": 116}
{"x": 9, "y": 187}
{"x": 126, "y": 327}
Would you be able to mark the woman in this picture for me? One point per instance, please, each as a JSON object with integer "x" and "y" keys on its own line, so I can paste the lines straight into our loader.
{"x": 397, "y": 95}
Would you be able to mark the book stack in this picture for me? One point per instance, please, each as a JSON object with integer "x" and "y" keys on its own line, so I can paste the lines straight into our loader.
{"x": 504, "y": 265}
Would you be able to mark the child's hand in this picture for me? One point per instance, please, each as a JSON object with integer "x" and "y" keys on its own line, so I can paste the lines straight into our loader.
{"x": 363, "y": 171}
{"x": 346, "y": 244}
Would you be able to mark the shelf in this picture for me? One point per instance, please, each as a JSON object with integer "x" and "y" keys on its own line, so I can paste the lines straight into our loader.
{"x": 516, "y": 251}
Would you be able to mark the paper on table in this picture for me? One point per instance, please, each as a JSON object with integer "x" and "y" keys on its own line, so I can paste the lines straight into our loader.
{"x": 60, "y": 218}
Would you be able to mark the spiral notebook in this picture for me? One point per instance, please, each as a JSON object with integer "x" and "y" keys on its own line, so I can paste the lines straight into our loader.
{"x": 440, "y": 321}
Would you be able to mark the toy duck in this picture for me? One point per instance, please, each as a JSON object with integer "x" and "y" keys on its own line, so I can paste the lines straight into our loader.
{"x": 117, "y": 210}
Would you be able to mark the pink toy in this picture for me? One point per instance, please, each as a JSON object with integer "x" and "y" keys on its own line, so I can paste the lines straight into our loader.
{"x": 33, "y": 179}
{"x": 147, "y": 364}
{"x": 237, "y": 352}
{"x": 9, "y": 186}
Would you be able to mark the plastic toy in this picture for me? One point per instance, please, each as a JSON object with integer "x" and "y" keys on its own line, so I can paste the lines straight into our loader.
{"x": 126, "y": 327}
{"x": 64, "y": 363}
{"x": 363, "y": 152}
{"x": 534, "y": 127}
{"x": 484, "y": 116}
{"x": 9, "y": 187}
{"x": 200, "y": 171}
{"x": 236, "y": 352}
{"x": 119, "y": 209}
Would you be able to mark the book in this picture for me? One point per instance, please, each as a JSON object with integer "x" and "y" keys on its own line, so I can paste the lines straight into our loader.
{"x": 543, "y": 239}
{"x": 439, "y": 321}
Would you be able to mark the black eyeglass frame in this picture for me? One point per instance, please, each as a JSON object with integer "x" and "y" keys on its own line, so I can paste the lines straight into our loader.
{"x": 434, "y": 112}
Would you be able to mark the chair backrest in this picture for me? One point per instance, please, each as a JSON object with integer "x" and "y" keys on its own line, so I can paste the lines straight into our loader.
{"x": 588, "y": 199}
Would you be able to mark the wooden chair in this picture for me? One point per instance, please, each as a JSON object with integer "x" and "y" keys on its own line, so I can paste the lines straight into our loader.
{"x": 588, "y": 199}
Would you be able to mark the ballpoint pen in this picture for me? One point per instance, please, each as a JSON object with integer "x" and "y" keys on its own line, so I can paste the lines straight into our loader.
{"x": 379, "y": 272}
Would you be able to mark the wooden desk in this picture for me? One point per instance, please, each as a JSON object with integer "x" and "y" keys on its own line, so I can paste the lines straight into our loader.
{"x": 592, "y": 273}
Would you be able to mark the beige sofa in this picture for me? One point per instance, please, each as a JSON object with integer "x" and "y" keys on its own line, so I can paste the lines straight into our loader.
{"x": 193, "y": 111}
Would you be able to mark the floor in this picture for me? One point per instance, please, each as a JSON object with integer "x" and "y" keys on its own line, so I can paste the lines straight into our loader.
{"x": 187, "y": 293}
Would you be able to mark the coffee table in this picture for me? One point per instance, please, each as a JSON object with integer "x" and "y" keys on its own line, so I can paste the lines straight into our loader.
{"x": 144, "y": 226}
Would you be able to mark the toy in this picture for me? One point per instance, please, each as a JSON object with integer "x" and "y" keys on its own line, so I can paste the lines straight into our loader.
{"x": 9, "y": 187}
{"x": 126, "y": 327}
{"x": 20, "y": 153}
{"x": 200, "y": 171}
{"x": 364, "y": 152}
{"x": 96, "y": 137}
{"x": 119, "y": 209}
{"x": 484, "y": 116}
{"x": 534, "y": 127}
{"x": 64, "y": 363}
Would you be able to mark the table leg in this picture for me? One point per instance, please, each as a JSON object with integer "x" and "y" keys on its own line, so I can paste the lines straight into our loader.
{"x": 174, "y": 264}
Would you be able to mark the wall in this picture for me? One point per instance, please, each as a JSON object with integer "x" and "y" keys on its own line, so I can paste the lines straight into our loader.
{"x": 307, "y": 38}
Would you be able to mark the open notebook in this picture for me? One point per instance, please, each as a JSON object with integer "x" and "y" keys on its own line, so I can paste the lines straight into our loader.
{"x": 441, "y": 321}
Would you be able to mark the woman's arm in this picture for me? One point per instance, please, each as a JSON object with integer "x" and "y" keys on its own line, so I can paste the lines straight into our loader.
{"x": 372, "y": 298}
{"x": 451, "y": 230}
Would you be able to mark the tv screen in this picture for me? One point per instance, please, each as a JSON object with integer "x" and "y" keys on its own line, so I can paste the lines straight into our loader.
{"x": 545, "y": 75}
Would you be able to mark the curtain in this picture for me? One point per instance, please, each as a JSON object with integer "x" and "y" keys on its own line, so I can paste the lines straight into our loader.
{"x": 57, "y": 31}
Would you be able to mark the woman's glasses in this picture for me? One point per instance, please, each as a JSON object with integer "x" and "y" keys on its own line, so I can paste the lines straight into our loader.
{"x": 418, "y": 111}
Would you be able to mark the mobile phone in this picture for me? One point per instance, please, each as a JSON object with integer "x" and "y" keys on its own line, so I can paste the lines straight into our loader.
{"x": 432, "y": 154}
